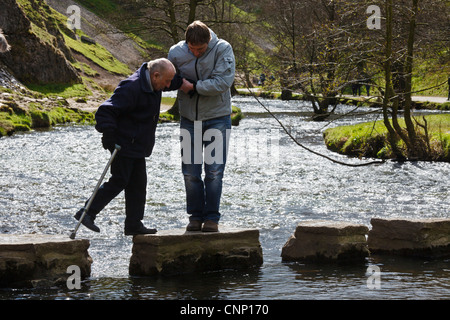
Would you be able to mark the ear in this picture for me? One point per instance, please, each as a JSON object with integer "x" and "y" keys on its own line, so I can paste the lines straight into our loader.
{"x": 156, "y": 74}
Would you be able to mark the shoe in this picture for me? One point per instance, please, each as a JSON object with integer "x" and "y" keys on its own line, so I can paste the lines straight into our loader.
{"x": 88, "y": 221}
{"x": 140, "y": 230}
{"x": 194, "y": 225}
{"x": 210, "y": 226}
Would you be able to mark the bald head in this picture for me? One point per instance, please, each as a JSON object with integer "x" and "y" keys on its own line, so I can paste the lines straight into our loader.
{"x": 161, "y": 65}
{"x": 162, "y": 72}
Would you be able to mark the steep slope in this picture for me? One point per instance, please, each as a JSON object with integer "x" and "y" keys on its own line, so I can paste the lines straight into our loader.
{"x": 35, "y": 57}
{"x": 52, "y": 71}
{"x": 122, "y": 47}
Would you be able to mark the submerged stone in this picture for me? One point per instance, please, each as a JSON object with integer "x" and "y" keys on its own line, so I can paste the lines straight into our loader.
{"x": 427, "y": 238}
{"x": 326, "y": 241}
{"x": 31, "y": 260}
{"x": 179, "y": 251}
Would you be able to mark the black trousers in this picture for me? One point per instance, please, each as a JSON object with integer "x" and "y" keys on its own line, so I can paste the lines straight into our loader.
{"x": 127, "y": 174}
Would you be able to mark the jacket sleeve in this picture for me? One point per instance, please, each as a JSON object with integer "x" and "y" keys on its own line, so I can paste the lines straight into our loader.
{"x": 176, "y": 83}
{"x": 122, "y": 101}
{"x": 222, "y": 76}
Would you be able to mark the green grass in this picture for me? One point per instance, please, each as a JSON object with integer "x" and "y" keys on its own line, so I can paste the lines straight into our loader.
{"x": 61, "y": 90}
{"x": 369, "y": 139}
{"x": 431, "y": 71}
{"x": 97, "y": 54}
{"x": 39, "y": 117}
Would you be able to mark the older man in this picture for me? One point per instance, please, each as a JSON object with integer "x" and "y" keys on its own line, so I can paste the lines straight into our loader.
{"x": 129, "y": 119}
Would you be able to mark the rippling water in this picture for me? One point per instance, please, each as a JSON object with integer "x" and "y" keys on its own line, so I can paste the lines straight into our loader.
{"x": 270, "y": 184}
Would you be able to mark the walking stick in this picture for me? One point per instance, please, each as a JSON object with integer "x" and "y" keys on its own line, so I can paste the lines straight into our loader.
{"x": 86, "y": 208}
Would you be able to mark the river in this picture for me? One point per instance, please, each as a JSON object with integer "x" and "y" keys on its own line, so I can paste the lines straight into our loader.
{"x": 270, "y": 184}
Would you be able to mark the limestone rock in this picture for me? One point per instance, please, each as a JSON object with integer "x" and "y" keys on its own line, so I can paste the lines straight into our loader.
{"x": 326, "y": 241}
{"x": 179, "y": 251}
{"x": 35, "y": 58}
{"x": 420, "y": 237}
{"x": 30, "y": 259}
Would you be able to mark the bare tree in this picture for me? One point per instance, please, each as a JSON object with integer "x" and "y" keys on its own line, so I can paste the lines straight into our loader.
{"x": 405, "y": 36}
{"x": 321, "y": 48}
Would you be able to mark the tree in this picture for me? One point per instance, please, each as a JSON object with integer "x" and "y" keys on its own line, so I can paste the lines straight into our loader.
{"x": 402, "y": 20}
{"x": 319, "y": 47}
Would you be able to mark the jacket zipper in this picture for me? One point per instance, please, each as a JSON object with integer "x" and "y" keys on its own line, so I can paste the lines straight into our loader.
{"x": 198, "y": 97}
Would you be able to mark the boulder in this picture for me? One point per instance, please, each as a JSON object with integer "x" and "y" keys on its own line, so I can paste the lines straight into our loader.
{"x": 32, "y": 260}
{"x": 179, "y": 251}
{"x": 428, "y": 238}
{"x": 326, "y": 241}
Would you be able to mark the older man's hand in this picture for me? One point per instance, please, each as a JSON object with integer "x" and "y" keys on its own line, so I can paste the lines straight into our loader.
{"x": 187, "y": 86}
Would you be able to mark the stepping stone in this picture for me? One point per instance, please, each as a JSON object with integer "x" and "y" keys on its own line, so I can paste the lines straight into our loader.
{"x": 33, "y": 260}
{"x": 427, "y": 238}
{"x": 320, "y": 240}
{"x": 179, "y": 251}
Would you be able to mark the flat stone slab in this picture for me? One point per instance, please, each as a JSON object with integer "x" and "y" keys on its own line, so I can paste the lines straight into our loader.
{"x": 31, "y": 260}
{"x": 428, "y": 238}
{"x": 179, "y": 251}
{"x": 320, "y": 240}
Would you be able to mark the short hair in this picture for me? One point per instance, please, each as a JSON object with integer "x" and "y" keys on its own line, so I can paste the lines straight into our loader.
{"x": 197, "y": 33}
{"x": 4, "y": 46}
{"x": 161, "y": 65}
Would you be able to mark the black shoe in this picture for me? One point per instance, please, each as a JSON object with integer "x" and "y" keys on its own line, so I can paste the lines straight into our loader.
{"x": 88, "y": 221}
{"x": 140, "y": 230}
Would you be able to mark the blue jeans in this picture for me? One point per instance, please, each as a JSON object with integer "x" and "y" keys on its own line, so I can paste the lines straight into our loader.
{"x": 204, "y": 143}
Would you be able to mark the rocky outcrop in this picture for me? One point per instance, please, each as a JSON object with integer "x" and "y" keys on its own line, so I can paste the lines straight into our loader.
{"x": 35, "y": 58}
{"x": 428, "y": 238}
{"x": 41, "y": 260}
{"x": 326, "y": 241}
{"x": 4, "y": 46}
{"x": 178, "y": 251}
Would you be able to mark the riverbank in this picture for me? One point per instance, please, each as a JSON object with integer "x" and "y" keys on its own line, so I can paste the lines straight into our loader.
{"x": 26, "y": 110}
{"x": 369, "y": 139}
{"x": 418, "y": 102}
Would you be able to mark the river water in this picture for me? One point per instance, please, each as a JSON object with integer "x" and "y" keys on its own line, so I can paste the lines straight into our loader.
{"x": 270, "y": 184}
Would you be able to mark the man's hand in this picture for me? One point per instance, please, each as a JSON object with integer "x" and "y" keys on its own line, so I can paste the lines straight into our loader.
{"x": 109, "y": 140}
{"x": 187, "y": 86}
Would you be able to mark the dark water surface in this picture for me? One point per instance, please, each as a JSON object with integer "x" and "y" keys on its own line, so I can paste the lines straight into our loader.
{"x": 270, "y": 184}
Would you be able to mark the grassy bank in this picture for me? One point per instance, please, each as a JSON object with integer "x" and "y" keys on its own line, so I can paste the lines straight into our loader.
{"x": 369, "y": 139}
{"x": 360, "y": 101}
{"x": 37, "y": 117}
{"x": 24, "y": 113}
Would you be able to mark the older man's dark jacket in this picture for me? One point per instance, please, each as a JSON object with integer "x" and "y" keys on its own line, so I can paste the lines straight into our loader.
{"x": 132, "y": 114}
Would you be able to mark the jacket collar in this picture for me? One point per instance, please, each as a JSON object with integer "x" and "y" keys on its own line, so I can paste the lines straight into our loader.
{"x": 144, "y": 78}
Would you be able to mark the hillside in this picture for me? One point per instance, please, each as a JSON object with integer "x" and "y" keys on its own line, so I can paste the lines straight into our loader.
{"x": 105, "y": 60}
{"x": 49, "y": 66}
